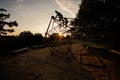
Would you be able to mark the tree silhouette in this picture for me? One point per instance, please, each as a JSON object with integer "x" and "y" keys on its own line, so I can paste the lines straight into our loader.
{"x": 3, "y": 23}
{"x": 26, "y": 37}
{"x": 38, "y": 38}
{"x": 55, "y": 37}
{"x": 99, "y": 18}
{"x": 29, "y": 39}
{"x": 26, "y": 34}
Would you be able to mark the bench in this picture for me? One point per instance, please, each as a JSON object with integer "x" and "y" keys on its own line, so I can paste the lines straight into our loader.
{"x": 106, "y": 53}
{"x": 20, "y": 50}
{"x": 38, "y": 46}
{"x": 95, "y": 51}
{"x": 115, "y": 55}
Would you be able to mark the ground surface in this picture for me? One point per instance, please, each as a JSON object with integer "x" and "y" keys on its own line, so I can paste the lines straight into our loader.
{"x": 39, "y": 64}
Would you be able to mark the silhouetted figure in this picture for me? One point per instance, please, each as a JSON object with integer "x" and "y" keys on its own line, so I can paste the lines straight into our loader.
{"x": 59, "y": 15}
{"x": 53, "y": 17}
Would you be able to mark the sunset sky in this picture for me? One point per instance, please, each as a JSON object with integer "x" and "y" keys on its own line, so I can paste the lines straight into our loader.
{"x": 34, "y": 15}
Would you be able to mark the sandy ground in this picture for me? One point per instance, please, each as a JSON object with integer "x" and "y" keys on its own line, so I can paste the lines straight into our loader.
{"x": 39, "y": 64}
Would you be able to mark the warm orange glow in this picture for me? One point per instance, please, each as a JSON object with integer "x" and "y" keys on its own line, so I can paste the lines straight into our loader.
{"x": 60, "y": 34}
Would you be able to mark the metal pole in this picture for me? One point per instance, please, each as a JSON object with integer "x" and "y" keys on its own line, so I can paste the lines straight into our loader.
{"x": 48, "y": 28}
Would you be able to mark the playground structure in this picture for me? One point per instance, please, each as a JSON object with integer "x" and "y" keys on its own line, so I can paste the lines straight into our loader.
{"x": 59, "y": 24}
{"x": 60, "y": 27}
{"x": 62, "y": 44}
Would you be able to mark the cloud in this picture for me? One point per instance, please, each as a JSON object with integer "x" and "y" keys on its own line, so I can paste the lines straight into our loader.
{"x": 68, "y": 6}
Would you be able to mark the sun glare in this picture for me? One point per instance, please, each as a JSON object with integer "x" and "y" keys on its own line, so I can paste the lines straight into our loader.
{"x": 60, "y": 34}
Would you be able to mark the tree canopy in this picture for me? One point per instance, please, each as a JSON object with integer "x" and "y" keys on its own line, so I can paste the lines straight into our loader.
{"x": 3, "y": 17}
{"x": 98, "y": 14}
{"x": 26, "y": 34}
{"x": 99, "y": 17}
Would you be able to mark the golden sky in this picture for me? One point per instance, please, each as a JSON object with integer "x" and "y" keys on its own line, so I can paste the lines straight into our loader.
{"x": 34, "y": 15}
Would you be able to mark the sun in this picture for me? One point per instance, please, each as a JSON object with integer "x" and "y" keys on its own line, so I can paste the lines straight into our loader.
{"x": 60, "y": 34}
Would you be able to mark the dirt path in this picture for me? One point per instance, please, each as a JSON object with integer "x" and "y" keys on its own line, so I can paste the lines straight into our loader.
{"x": 38, "y": 64}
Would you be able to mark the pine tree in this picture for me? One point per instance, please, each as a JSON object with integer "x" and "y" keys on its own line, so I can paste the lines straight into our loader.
{"x": 3, "y": 17}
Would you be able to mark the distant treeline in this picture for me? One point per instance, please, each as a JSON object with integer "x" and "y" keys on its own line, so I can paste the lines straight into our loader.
{"x": 25, "y": 39}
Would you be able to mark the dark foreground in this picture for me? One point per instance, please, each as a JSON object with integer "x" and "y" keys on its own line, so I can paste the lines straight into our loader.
{"x": 38, "y": 64}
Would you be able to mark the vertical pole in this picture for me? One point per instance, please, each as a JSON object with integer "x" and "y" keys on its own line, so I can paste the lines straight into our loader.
{"x": 69, "y": 47}
{"x": 46, "y": 39}
{"x": 69, "y": 54}
{"x": 48, "y": 28}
